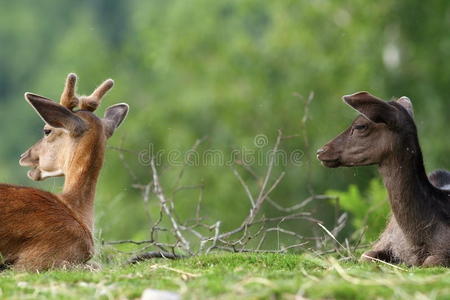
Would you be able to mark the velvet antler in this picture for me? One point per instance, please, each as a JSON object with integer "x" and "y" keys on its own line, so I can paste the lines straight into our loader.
{"x": 93, "y": 101}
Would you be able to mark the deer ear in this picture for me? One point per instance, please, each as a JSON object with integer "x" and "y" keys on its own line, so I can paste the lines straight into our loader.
{"x": 114, "y": 116}
{"x": 374, "y": 109}
{"x": 406, "y": 103}
{"x": 55, "y": 114}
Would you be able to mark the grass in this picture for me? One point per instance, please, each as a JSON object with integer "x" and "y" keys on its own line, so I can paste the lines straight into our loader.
{"x": 234, "y": 276}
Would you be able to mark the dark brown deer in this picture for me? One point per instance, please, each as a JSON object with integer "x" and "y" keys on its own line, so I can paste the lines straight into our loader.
{"x": 40, "y": 230}
{"x": 385, "y": 134}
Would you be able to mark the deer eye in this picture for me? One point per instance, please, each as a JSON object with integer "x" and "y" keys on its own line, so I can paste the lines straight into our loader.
{"x": 360, "y": 127}
{"x": 47, "y": 132}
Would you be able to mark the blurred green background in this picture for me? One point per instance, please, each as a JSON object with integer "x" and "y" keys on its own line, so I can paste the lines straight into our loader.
{"x": 229, "y": 70}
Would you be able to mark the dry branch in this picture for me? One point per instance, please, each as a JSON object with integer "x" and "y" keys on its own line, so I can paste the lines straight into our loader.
{"x": 197, "y": 236}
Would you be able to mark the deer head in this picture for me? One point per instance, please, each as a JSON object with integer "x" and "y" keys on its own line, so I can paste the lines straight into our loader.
{"x": 69, "y": 131}
{"x": 381, "y": 129}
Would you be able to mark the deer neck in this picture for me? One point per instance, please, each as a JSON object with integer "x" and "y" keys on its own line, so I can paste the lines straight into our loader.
{"x": 81, "y": 178}
{"x": 410, "y": 192}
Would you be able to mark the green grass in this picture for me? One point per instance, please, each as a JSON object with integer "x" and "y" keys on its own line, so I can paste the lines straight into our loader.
{"x": 235, "y": 276}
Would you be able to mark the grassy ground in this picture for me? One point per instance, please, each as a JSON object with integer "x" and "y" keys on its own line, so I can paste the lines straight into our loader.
{"x": 235, "y": 276}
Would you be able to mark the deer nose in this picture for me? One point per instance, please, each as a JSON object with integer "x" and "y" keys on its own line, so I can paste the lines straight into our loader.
{"x": 322, "y": 150}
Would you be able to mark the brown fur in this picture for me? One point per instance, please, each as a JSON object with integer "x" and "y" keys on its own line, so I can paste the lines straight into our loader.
{"x": 385, "y": 135}
{"x": 40, "y": 230}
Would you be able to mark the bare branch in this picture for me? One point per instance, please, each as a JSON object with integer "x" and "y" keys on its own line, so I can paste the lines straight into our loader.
{"x": 245, "y": 186}
{"x": 197, "y": 235}
{"x": 157, "y": 189}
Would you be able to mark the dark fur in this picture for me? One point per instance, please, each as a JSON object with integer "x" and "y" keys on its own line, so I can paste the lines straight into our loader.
{"x": 440, "y": 178}
{"x": 418, "y": 232}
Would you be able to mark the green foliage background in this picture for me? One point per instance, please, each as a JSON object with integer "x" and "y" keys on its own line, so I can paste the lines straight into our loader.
{"x": 229, "y": 70}
{"x": 368, "y": 209}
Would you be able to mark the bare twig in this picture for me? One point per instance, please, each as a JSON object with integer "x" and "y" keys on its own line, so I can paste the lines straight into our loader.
{"x": 197, "y": 235}
{"x": 164, "y": 204}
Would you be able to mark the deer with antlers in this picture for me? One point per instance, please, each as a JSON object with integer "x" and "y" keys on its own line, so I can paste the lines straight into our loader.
{"x": 40, "y": 230}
